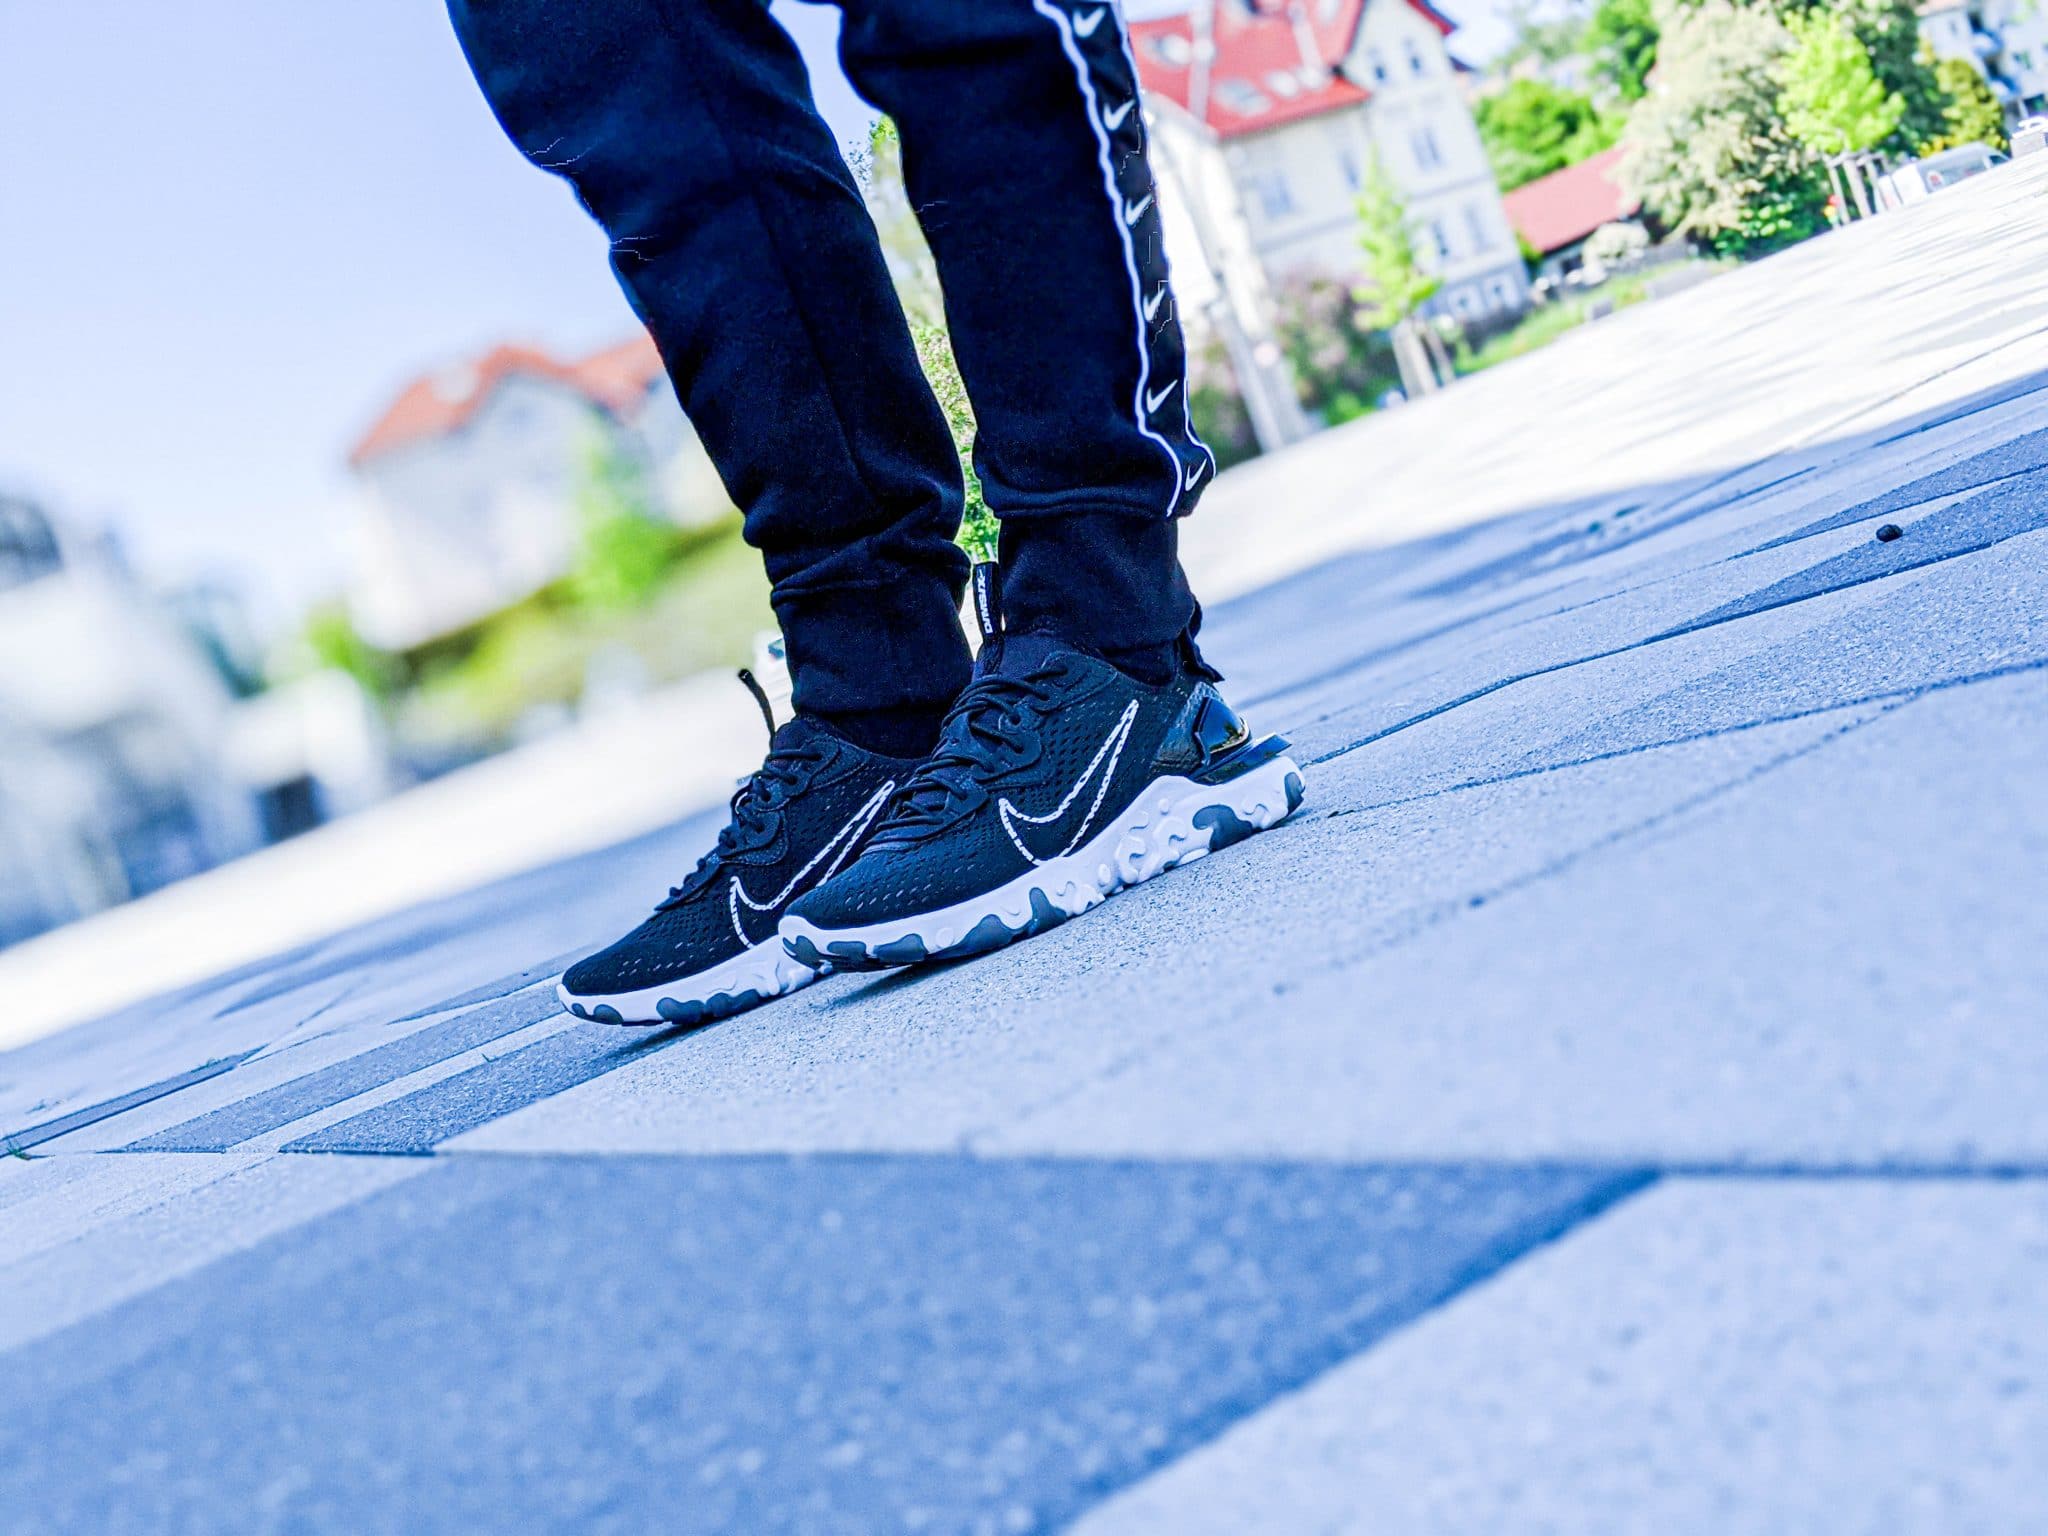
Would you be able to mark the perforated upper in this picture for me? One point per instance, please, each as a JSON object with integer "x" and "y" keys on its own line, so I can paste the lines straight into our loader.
{"x": 1055, "y": 802}
{"x": 696, "y": 928}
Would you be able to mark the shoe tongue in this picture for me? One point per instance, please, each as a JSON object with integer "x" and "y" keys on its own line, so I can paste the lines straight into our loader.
{"x": 798, "y": 732}
{"x": 1016, "y": 654}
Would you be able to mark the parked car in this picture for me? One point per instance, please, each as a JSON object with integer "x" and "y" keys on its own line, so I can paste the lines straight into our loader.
{"x": 1923, "y": 178}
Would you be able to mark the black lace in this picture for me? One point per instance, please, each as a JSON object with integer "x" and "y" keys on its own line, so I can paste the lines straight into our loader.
{"x": 756, "y": 809}
{"x": 989, "y": 728}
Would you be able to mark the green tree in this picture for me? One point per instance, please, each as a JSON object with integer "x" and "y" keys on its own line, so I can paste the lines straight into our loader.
{"x": 1902, "y": 61}
{"x": 1532, "y": 128}
{"x": 1540, "y": 33}
{"x": 1831, "y": 98}
{"x": 1337, "y": 349}
{"x": 332, "y": 640}
{"x": 624, "y": 547}
{"x": 1397, "y": 284}
{"x": 1621, "y": 35}
{"x": 879, "y": 169}
{"x": 935, "y": 351}
{"x": 1708, "y": 151}
{"x": 1971, "y": 114}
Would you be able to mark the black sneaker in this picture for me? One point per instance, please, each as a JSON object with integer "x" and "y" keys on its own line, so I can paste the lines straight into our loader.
{"x": 711, "y": 949}
{"x": 1058, "y": 781}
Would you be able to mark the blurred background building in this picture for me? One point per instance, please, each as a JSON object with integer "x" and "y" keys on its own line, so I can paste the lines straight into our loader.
{"x": 2006, "y": 40}
{"x": 472, "y": 479}
{"x": 1270, "y": 123}
{"x": 138, "y": 744}
{"x": 1267, "y": 126}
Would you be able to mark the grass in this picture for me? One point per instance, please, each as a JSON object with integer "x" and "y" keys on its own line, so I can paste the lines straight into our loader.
{"x": 1540, "y": 329}
{"x": 1545, "y": 325}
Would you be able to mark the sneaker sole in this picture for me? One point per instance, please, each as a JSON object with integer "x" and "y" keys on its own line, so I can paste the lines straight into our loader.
{"x": 1173, "y": 822}
{"x": 747, "y": 980}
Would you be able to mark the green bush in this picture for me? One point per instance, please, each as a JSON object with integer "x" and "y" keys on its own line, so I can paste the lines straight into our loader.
{"x": 1343, "y": 362}
{"x": 331, "y": 640}
{"x": 935, "y": 352}
{"x": 1532, "y": 128}
{"x": 624, "y": 547}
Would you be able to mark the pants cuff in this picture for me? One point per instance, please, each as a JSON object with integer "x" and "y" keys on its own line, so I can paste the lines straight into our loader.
{"x": 895, "y": 649}
{"x": 1107, "y": 581}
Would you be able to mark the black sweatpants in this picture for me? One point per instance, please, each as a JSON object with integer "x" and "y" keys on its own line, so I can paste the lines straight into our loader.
{"x": 687, "y": 128}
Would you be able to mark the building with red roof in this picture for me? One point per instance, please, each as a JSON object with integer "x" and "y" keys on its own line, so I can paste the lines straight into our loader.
{"x": 470, "y": 478}
{"x": 1267, "y": 121}
{"x": 1556, "y": 214}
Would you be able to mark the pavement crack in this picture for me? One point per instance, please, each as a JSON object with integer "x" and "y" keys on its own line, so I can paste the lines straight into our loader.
{"x": 16, "y": 1142}
{"x": 1696, "y": 626}
{"x": 1408, "y": 924}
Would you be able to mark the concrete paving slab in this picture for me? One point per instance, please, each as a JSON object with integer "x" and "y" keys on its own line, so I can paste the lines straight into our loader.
{"x": 928, "y": 1060}
{"x": 64, "y": 1198}
{"x": 1863, "y": 1358}
{"x": 81, "y": 1121}
{"x": 808, "y": 1345}
{"x": 132, "y": 1225}
{"x": 418, "y": 1122}
{"x": 400, "y": 968}
{"x": 1737, "y": 369}
{"x": 355, "y": 1074}
{"x": 1974, "y": 611}
{"x": 1834, "y": 962}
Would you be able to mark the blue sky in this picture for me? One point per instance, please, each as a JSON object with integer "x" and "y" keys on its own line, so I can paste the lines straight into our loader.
{"x": 230, "y": 229}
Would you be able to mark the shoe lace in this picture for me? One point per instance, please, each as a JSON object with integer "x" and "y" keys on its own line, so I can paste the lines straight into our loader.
{"x": 755, "y": 810}
{"x": 989, "y": 728}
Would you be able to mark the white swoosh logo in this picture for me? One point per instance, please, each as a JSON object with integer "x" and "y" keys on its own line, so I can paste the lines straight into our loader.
{"x": 1195, "y": 474}
{"x": 1137, "y": 210}
{"x": 1084, "y": 26}
{"x": 843, "y": 840}
{"x": 1111, "y": 749}
{"x": 1152, "y": 304}
{"x": 1153, "y": 402}
{"x": 1115, "y": 120}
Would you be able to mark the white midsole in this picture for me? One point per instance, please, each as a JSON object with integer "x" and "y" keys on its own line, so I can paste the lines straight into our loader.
{"x": 1156, "y": 833}
{"x": 766, "y": 969}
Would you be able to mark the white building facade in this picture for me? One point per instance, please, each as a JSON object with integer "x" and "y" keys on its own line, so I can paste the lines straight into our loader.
{"x": 2007, "y": 40}
{"x": 115, "y": 773}
{"x": 470, "y": 481}
{"x": 1266, "y": 124}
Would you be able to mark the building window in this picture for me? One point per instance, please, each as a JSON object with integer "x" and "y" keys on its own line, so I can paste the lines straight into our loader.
{"x": 1416, "y": 66}
{"x": 1242, "y": 97}
{"x": 1503, "y": 293}
{"x": 1377, "y": 63}
{"x": 1428, "y": 156}
{"x": 1439, "y": 239}
{"x": 1462, "y": 304}
{"x": 1270, "y": 191}
{"x": 1475, "y": 225}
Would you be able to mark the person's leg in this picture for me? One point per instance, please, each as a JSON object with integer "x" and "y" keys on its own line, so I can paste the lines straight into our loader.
{"x": 1024, "y": 154}
{"x": 1092, "y": 751}
{"x": 687, "y": 128}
